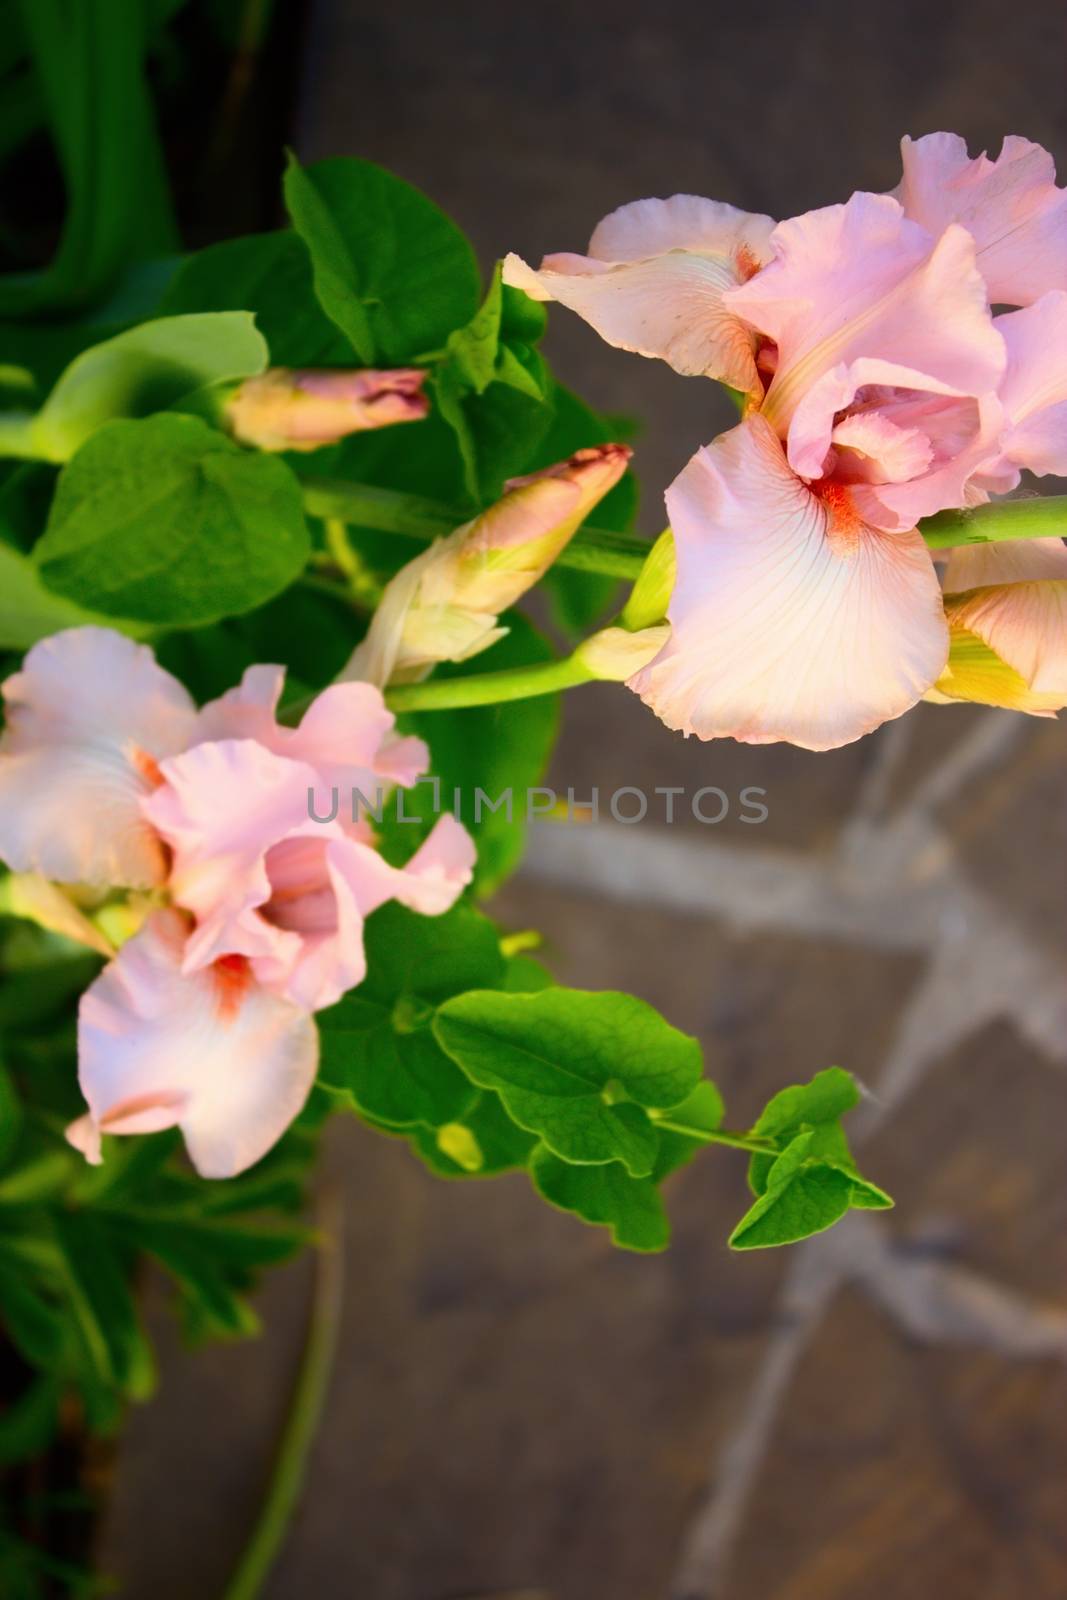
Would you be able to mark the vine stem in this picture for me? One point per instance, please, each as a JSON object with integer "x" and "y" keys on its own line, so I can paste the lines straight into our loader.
{"x": 1042, "y": 517}
{"x": 490, "y": 688}
{"x": 616, "y": 555}
{"x": 736, "y": 1141}
{"x": 305, "y": 1411}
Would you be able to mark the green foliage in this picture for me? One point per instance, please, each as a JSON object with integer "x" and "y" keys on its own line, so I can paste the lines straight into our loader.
{"x": 148, "y": 368}
{"x": 581, "y": 1070}
{"x": 378, "y": 1046}
{"x": 390, "y": 269}
{"x": 165, "y": 520}
{"x": 87, "y": 68}
{"x": 268, "y": 274}
{"x": 810, "y": 1180}
{"x": 28, "y": 610}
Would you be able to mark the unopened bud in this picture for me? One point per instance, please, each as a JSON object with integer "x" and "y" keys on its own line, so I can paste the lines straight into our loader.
{"x": 617, "y": 653}
{"x": 286, "y": 410}
{"x": 444, "y": 605}
{"x": 651, "y": 593}
{"x": 28, "y": 895}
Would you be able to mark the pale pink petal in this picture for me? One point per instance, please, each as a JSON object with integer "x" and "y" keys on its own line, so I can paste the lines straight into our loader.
{"x": 1034, "y": 390}
{"x": 684, "y": 222}
{"x": 905, "y": 419}
{"x": 346, "y": 734}
{"x": 653, "y": 283}
{"x": 325, "y": 891}
{"x": 88, "y": 717}
{"x": 212, "y": 1053}
{"x": 873, "y": 449}
{"x": 860, "y": 280}
{"x": 314, "y": 895}
{"x": 791, "y": 619}
{"x": 979, "y": 566}
{"x": 222, "y": 807}
{"x": 439, "y": 870}
{"x": 1011, "y": 206}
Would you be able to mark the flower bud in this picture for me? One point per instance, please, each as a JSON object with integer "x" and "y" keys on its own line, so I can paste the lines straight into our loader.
{"x": 444, "y": 605}
{"x": 617, "y": 653}
{"x": 29, "y": 895}
{"x": 286, "y": 410}
{"x": 651, "y": 593}
{"x": 1006, "y": 608}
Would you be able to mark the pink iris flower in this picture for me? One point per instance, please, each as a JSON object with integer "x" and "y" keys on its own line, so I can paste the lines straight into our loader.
{"x": 880, "y": 389}
{"x": 110, "y": 776}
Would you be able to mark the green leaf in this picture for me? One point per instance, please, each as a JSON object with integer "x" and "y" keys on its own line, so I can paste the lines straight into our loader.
{"x": 473, "y": 349}
{"x": 522, "y": 319}
{"x": 390, "y": 269}
{"x": 577, "y": 1068}
{"x": 606, "y": 1195}
{"x": 11, "y": 1116}
{"x": 29, "y": 611}
{"x": 268, "y": 274}
{"x": 497, "y": 431}
{"x": 377, "y": 1042}
{"x": 147, "y": 368}
{"x": 803, "y": 1197}
{"x": 31, "y": 1320}
{"x": 480, "y": 1144}
{"x": 828, "y": 1096}
{"x": 165, "y": 520}
{"x": 29, "y": 1423}
{"x": 815, "y": 1107}
{"x": 101, "y": 1299}
{"x": 89, "y": 64}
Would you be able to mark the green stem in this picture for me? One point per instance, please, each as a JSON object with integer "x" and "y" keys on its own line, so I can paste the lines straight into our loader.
{"x": 16, "y": 436}
{"x": 736, "y": 1141}
{"x": 1043, "y": 517}
{"x": 305, "y": 1412}
{"x": 489, "y": 688}
{"x": 617, "y": 555}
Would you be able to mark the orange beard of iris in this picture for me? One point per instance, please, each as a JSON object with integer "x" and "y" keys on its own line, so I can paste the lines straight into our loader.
{"x": 843, "y": 522}
{"x": 233, "y": 977}
{"x": 745, "y": 263}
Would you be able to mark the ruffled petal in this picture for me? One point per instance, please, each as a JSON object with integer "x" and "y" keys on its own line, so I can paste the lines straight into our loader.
{"x": 791, "y": 618}
{"x": 211, "y": 1053}
{"x": 1034, "y": 390}
{"x": 221, "y": 808}
{"x": 860, "y": 280}
{"x": 684, "y": 222}
{"x": 980, "y": 566}
{"x": 654, "y": 280}
{"x": 89, "y": 716}
{"x": 1011, "y": 206}
{"x": 346, "y": 734}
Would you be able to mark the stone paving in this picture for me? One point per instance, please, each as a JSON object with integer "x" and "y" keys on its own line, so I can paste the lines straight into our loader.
{"x": 518, "y": 1412}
